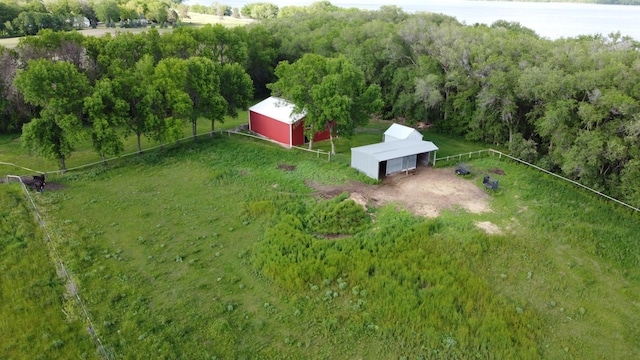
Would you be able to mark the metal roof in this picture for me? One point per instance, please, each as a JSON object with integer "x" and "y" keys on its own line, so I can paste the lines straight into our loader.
{"x": 277, "y": 109}
{"x": 400, "y": 131}
{"x": 395, "y": 149}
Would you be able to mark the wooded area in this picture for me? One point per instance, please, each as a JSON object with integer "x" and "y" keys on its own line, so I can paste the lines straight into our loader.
{"x": 569, "y": 105}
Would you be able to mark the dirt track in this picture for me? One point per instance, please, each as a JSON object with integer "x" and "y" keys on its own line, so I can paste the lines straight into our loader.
{"x": 425, "y": 192}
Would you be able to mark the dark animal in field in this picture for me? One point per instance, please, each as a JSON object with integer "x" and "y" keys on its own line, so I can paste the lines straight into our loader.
{"x": 39, "y": 182}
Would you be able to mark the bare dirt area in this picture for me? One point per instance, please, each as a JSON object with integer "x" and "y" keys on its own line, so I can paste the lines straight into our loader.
{"x": 425, "y": 192}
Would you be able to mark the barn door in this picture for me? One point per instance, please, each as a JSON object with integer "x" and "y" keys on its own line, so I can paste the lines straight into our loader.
{"x": 394, "y": 165}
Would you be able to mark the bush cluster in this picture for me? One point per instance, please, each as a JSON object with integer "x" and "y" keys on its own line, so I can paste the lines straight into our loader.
{"x": 418, "y": 286}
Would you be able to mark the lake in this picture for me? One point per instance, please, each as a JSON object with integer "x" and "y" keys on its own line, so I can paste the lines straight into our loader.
{"x": 550, "y": 20}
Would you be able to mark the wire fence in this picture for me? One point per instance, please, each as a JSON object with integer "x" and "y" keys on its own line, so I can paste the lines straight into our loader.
{"x": 107, "y": 160}
{"x": 316, "y": 151}
{"x": 486, "y": 152}
{"x": 61, "y": 270}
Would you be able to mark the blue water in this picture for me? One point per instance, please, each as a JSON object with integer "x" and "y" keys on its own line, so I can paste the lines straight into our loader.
{"x": 550, "y": 20}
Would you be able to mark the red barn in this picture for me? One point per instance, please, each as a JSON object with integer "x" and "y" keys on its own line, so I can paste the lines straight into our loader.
{"x": 274, "y": 118}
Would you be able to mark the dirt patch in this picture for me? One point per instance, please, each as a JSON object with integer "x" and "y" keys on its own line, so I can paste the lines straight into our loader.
{"x": 29, "y": 182}
{"x": 489, "y": 227}
{"x": 359, "y": 199}
{"x": 51, "y": 186}
{"x": 425, "y": 192}
{"x": 286, "y": 167}
{"x": 497, "y": 171}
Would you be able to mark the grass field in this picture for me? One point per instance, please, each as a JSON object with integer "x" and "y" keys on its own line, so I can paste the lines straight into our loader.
{"x": 32, "y": 322}
{"x": 207, "y": 249}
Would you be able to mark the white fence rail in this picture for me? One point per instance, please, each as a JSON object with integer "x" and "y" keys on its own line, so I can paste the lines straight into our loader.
{"x": 317, "y": 152}
{"x": 469, "y": 155}
{"x": 56, "y": 259}
{"x": 478, "y": 153}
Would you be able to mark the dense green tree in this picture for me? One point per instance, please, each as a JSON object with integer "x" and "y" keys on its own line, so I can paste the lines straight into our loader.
{"x": 331, "y": 92}
{"x": 170, "y": 103}
{"x": 236, "y": 88}
{"x": 35, "y": 6}
{"x": 55, "y": 46}
{"x": 222, "y": 44}
{"x": 123, "y": 51}
{"x": 262, "y": 54}
{"x": 13, "y": 110}
{"x": 30, "y": 22}
{"x": 180, "y": 43}
{"x": 448, "y": 42}
{"x": 94, "y": 47}
{"x": 260, "y": 11}
{"x": 107, "y": 10}
{"x": 87, "y": 10}
{"x": 203, "y": 88}
{"x": 106, "y": 112}
{"x": 157, "y": 12}
{"x": 8, "y": 12}
{"x": 67, "y": 10}
{"x": 133, "y": 85}
{"x": 58, "y": 88}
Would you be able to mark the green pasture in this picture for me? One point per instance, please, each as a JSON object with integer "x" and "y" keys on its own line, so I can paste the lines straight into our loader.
{"x": 12, "y": 151}
{"x": 210, "y": 249}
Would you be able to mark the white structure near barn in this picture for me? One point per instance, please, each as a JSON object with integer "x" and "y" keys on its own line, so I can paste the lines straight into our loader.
{"x": 401, "y": 132}
{"x": 402, "y": 150}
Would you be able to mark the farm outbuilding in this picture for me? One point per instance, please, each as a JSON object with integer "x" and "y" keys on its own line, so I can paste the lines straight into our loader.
{"x": 273, "y": 118}
{"x": 386, "y": 158}
{"x": 401, "y": 132}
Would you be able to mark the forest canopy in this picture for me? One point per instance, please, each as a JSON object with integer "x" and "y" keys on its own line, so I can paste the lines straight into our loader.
{"x": 570, "y": 105}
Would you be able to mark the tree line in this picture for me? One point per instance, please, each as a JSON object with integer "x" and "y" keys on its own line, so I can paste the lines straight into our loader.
{"x": 569, "y": 105}
{"x": 20, "y": 17}
{"x": 60, "y": 87}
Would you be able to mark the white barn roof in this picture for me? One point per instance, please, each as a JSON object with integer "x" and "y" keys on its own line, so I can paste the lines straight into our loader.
{"x": 401, "y": 132}
{"x": 277, "y": 109}
{"x": 396, "y": 149}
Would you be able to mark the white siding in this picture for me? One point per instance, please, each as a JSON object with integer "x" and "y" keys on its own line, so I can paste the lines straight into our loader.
{"x": 365, "y": 163}
{"x": 399, "y": 155}
{"x": 400, "y": 132}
